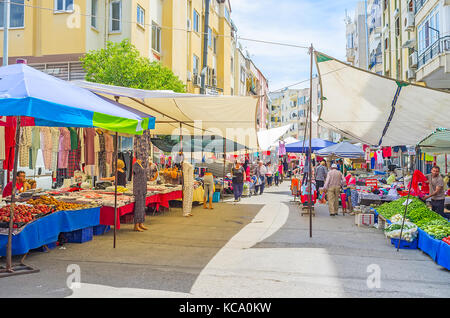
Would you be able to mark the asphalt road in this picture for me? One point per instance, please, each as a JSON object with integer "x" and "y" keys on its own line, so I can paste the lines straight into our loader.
{"x": 259, "y": 247}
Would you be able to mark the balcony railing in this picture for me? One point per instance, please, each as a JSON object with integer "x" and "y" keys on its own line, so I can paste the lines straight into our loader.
{"x": 440, "y": 46}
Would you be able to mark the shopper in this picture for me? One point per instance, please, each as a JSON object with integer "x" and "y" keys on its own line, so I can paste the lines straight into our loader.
{"x": 332, "y": 188}
{"x": 437, "y": 193}
{"x": 321, "y": 174}
{"x": 281, "y": 170}
{"x": 261, "y": 172}
{"x": 139, "y": 192}
{"x": 351, "y": 185}
{"x": 208, "y": 183}
{"x": 238, "y": 177}
{"x": 269, "y": 174}
{"x": 276, "y": 174}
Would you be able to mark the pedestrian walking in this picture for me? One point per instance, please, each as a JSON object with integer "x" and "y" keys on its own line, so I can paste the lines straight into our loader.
{"x": 238, "y": 177}
{"x": 260, "y": 173}
{"x": 269, "y": 174}
{"x": 332, "y": 188}
{"x": 321, "y": 174}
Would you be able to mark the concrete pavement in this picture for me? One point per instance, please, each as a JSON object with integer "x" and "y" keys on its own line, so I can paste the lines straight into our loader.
{"x": 259, "y": 247}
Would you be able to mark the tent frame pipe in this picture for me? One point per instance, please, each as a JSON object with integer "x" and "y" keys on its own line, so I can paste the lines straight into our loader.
{"x": 224, "y": 163}
{"x": 310, "y": 137}
{"x": 20, "y": 269}
{"x": 404, "y": 214}
{"x": 116, "y": 157}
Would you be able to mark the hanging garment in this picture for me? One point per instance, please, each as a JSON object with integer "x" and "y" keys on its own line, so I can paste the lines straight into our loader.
{"x": 387, "y": 152}
{"x": 142, "y": 148}
{"x": 35, "y": 145}
{"x": 96, "y": 153}
{"x": 139, "y": 192}
{"x": 24, "y": 146}
{"x": 102, "y": 155}
{"x": 188, "y": 187}
{"x": 82, "y": 145}
{"x": 46, "y": 146}
{"x": 55, "y": 147}
{"x": 281, "y": 149}
{"x": 2, "y": 143}
{"x": 64, "y": 148}
{"x": 109, "y": 148}
{"x": 61, "y": 174}
{"x": 73, "y": 139}
{"x": 10, "y": 144}
{"x": 379, "y": 157}
{"x": 89, "y": 153}
{"x": 367, "y": 155}
{"x": 74, "y": 161}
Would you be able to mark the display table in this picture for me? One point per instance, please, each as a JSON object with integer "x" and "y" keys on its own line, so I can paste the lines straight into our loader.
{"x": 197, "y": 195}
{"x": 160, "y": 199}
{"x": 46, "y": 230}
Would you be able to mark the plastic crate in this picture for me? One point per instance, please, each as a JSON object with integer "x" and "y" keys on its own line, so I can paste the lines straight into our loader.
{"x": 50, "y": 246}
{"x": 216, "y": 197}
{"x": 80, "y": 236}
{"x": 101, "y": 229}
{"x": 405, "y": 244}
{"x": 365, "y": 219}
{"x": 127, "y": 218}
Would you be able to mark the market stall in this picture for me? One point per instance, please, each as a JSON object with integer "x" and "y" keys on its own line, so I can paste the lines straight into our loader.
{"x": 48, "y": 101}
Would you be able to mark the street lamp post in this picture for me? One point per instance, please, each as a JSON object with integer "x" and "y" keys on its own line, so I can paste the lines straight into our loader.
{"x": 5, "y": 31}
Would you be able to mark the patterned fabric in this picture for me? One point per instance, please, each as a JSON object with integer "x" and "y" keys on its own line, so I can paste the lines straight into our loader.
{"x": 64, "y": 148}
{"x": 35, "y": 145}
{"x": 102, "y": 156}
{"x": 139, "y": 191}
{"x": 24, "y": 146}
{"x": 188, "y": 187}
{"x": 142, "y": 149}
{"x": 46, "y": 146}
{"x": 55, "y": 147}
{"x": 73, "y": 139}
{"x": 74, "y": 161}
{"x": 109, "y": 148}
{"x": 61, "y": 174}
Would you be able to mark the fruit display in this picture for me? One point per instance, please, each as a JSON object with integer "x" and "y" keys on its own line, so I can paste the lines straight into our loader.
{"x": 437, "y": 231}
{"x": 446, "y": 240}
{"x": 23, "y": 213}
{"x": 120, "y": 189}
{"x": 59, "y": 205}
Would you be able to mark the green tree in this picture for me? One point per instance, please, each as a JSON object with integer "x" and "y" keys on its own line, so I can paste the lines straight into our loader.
{"x": 120, "y": 64}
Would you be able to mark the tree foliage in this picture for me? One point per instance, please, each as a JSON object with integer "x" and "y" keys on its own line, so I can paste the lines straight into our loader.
{"x": 120, "y": 64}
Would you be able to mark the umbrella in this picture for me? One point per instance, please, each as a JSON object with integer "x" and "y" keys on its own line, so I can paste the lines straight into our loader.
{"x": 343, "y": 150}
{"x": 25, "y": 91}
{"x": 316, "y": 144}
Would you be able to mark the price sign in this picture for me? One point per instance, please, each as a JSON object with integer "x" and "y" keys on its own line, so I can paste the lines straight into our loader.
{"x": 372, "y": 183}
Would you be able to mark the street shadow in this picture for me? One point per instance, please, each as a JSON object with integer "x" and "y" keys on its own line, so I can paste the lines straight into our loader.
{"x": 169, "y": 256}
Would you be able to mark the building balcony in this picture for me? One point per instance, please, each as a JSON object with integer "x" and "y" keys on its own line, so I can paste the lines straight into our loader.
{"x": 433, "y": 65}
{"x": 419, "y": 4}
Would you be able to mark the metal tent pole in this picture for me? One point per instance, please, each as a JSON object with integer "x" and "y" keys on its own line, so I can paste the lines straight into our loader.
{"x": 310, "y": 136}
{"x": 224, "y": 163}
{"x": 116, "y": 157}
{"x": 404, "y": 214}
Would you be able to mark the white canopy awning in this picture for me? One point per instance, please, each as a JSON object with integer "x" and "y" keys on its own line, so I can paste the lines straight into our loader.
{"x": 232, "y": 117}
{"x": 266, "y": 138}
{"x": 378, "y": 110}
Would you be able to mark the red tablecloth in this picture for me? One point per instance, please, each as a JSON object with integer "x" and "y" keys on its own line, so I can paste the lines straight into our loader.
{"x": 107, "y": 212}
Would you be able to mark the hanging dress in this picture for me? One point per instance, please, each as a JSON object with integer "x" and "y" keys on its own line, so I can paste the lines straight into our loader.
{"x": 140, "y": 192}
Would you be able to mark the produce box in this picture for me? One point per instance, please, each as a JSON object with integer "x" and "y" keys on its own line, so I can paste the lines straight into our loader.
{"x": 80, "y": 236}
{"x": 365, "y": 219}
{"x": 443, "y": 257}
{"x": 405, "y": 244}
{"x": 429, "y": 245}
{"x": 101, "y": 229}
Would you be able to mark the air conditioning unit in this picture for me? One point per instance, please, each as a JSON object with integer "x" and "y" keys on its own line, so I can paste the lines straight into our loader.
{"x": 396, "y": 12}
{"x": 189, "y": 76}
{"x": 413, "y": 60}
{"x": 385, "y": 28}
{"x": 409, "y": 21}
{"x": 189, "y": 25}
{"x": 411, "y": 74}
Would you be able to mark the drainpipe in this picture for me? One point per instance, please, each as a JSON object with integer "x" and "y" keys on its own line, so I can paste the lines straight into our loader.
{"x": 205, "y": 47}
{"x": 367, "y": 34}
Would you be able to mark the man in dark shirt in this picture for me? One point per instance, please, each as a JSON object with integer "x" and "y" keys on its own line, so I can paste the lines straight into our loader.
{"x": 437, "y": 193}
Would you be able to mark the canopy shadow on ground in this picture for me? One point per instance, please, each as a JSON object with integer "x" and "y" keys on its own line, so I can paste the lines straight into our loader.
{"x": 169, "y": 256}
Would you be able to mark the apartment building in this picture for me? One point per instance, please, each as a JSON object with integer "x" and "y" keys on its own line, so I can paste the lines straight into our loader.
{"x": 432, "y": 58}
{"x": 399, "y": 38}
{"x": 374, "y": 36}
{"x": 356, "y": 33}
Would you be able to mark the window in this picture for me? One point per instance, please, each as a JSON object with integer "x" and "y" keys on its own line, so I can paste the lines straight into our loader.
{"x": 156, "y": 37}
{"x": 350, "y": 41}
{"x": 115, "y": 9}
{"x": 63, "y": 5}
{"x": 215, "y": 44}
{"x": 196, "y": 21}
{"x": 140, "y": 16}
{"x": 209, "y": 37}
{"x": 411, "y": 6}
{"x": 386, "y": 44}
{"x": 16, "y": 11}
{"x": 195, "y": 65}
{"x": 397, "y": 27}
{"x": 232, "y": 65}
{"x": 94, "y": 4}
{"x": 227, "y": 14}
{"x": 242, "y": 74}
{"x": 428, "y": 31}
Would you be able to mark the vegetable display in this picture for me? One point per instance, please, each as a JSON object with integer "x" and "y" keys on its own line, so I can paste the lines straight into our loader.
{"x": 59, "y": 205}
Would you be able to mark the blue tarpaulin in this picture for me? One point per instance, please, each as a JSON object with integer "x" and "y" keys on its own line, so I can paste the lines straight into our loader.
{"x": 429, "y": 245}
{"x": 46, "y": 230}
{"x": 303, "y": 147}
{"x": 443, "y": 258}
{"x": 343, "y": 150}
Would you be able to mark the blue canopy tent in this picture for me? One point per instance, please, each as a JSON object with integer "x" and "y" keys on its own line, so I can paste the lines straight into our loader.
{"x": 303, "y": 146}
{"x": 44, "y": 100}
{"x": 342, "y": 150}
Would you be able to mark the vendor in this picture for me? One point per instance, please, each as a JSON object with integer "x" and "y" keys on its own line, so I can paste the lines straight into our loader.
{"x": 437, "y": 193}
{"x": 20, "y": 184}
{"x": 121, "y": 175}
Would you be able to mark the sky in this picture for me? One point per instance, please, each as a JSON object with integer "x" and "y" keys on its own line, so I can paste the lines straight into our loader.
{"x": 298, "y": 22}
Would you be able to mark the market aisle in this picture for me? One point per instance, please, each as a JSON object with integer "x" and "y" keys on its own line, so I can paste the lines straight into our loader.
{"x": 285, "y": 262}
